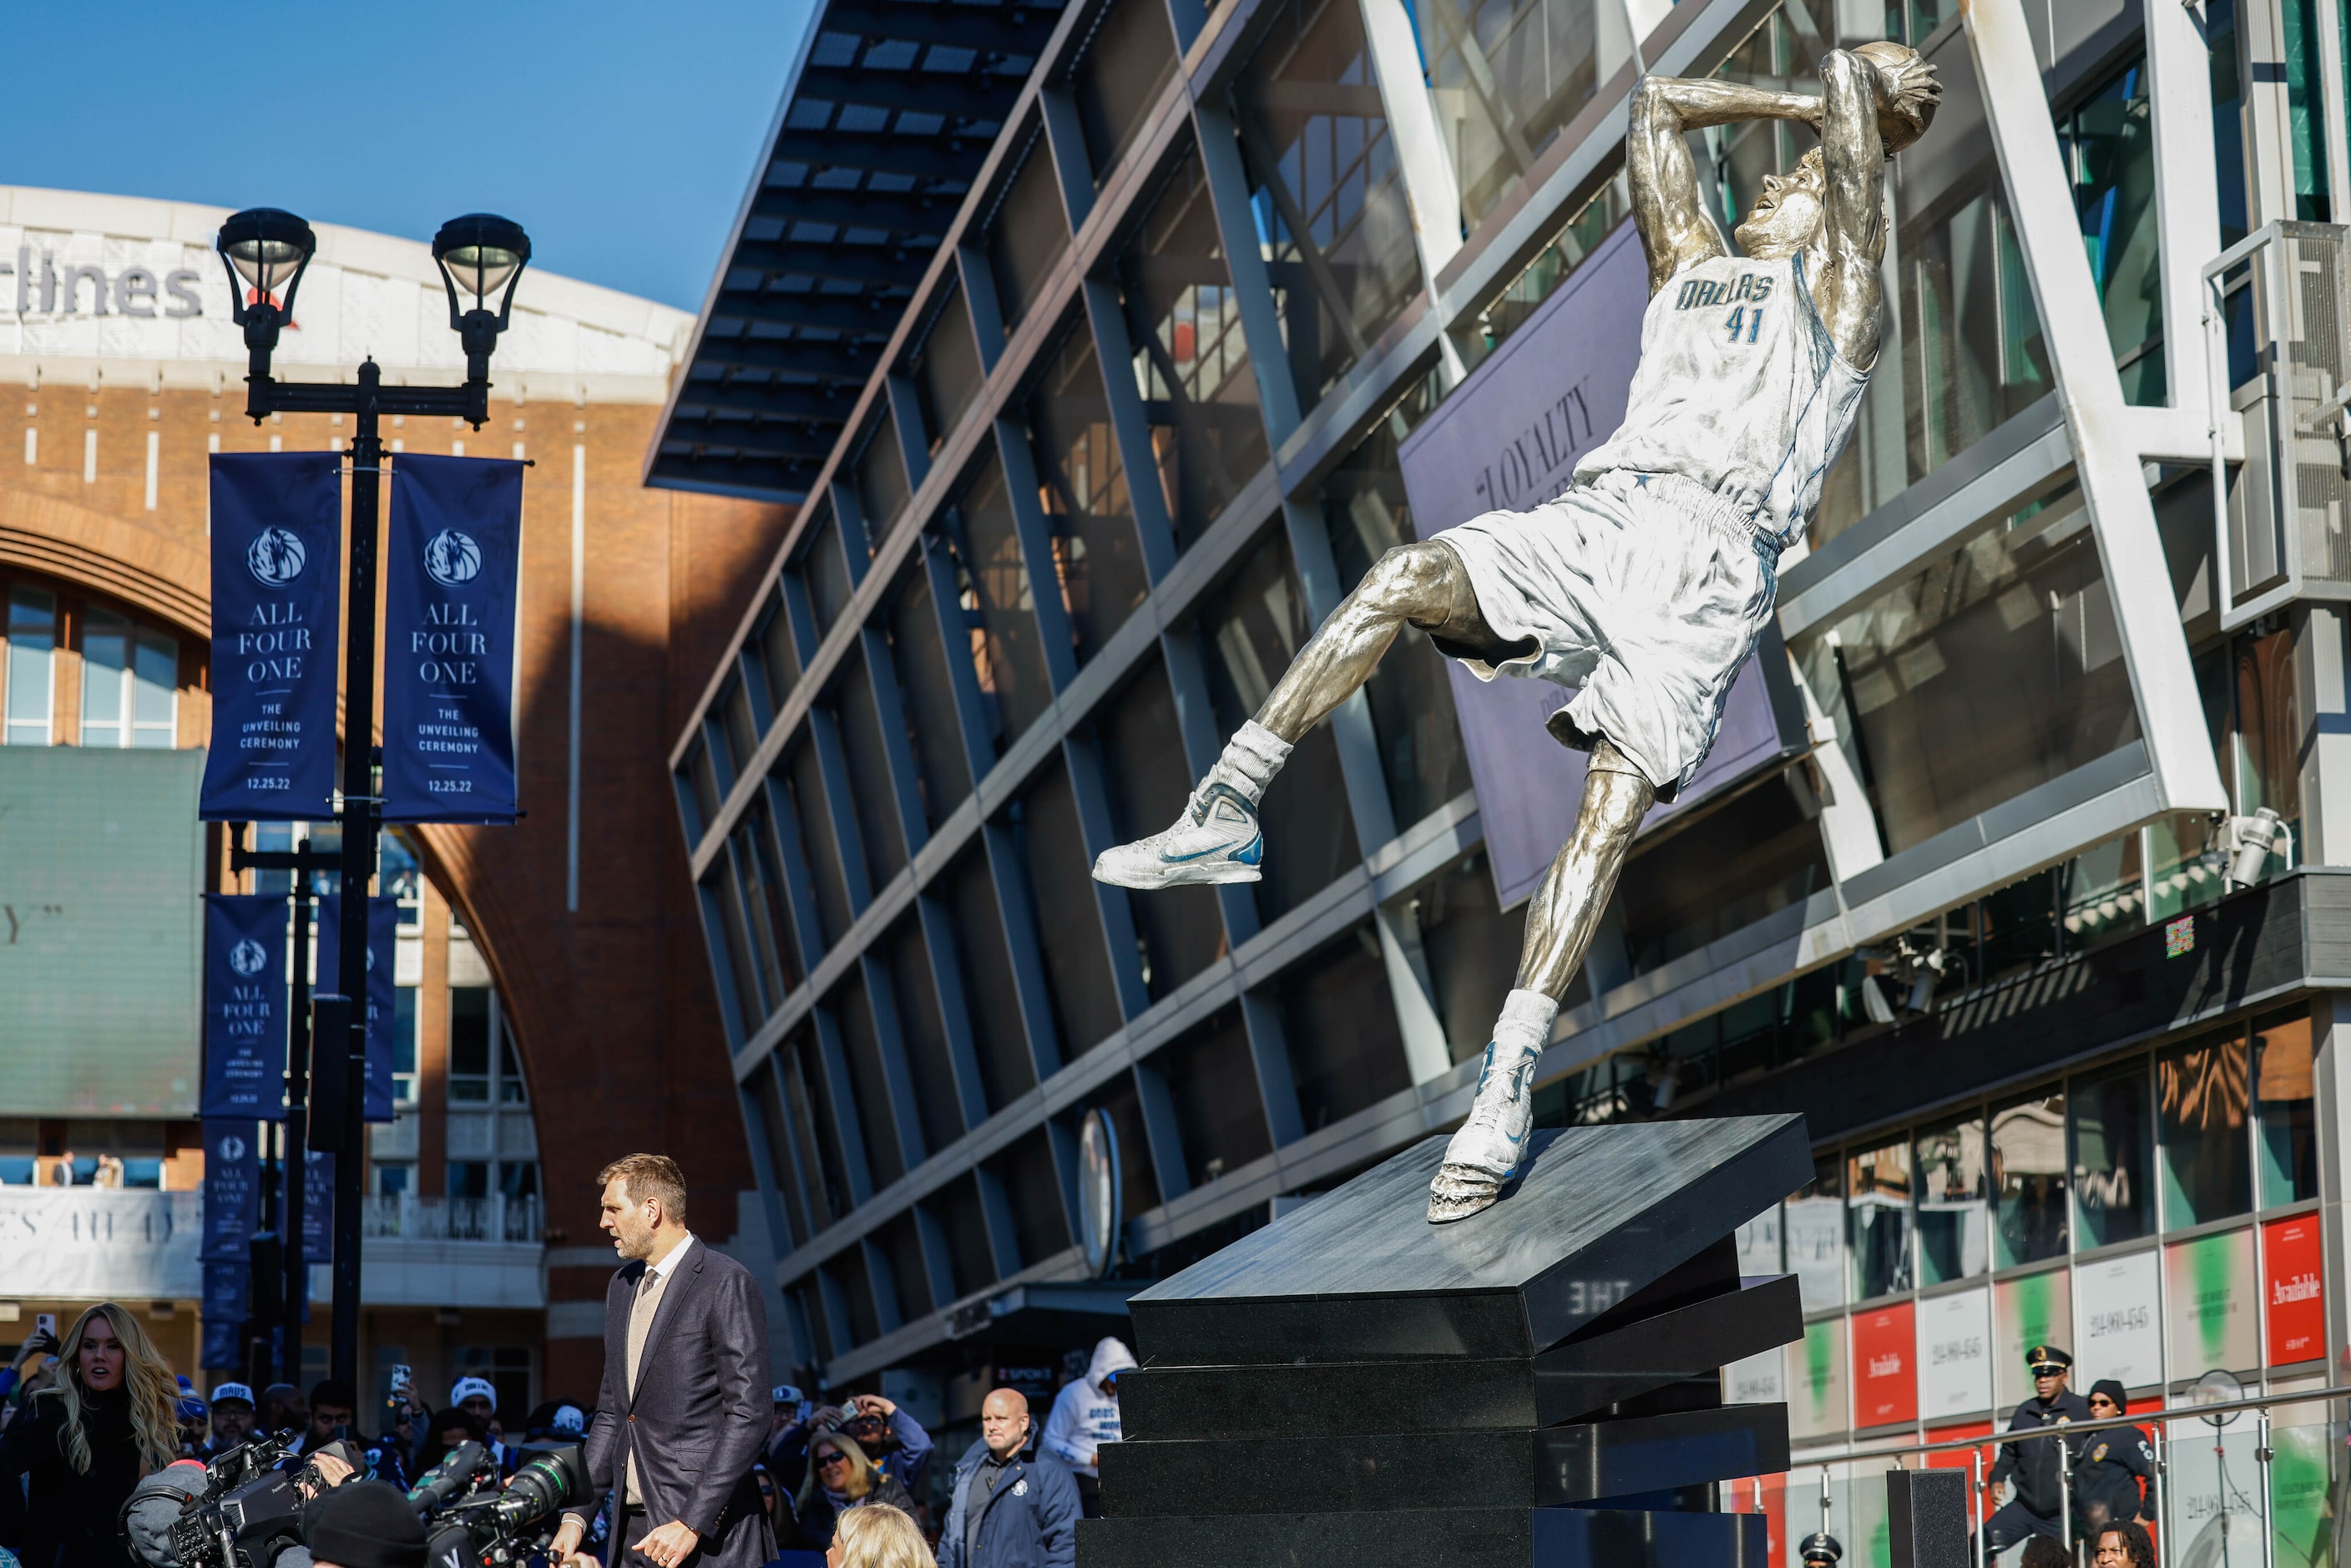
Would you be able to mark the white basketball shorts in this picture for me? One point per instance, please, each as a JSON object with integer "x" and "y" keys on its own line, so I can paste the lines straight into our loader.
{"x": 1646, "y": 591}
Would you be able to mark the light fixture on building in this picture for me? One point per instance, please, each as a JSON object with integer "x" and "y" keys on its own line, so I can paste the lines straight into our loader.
{"x": 2252, "y": 841}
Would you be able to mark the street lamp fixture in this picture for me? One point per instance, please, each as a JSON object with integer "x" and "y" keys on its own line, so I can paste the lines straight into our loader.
{"x": 484, "y": 255}
{"x": 266, "y": 251}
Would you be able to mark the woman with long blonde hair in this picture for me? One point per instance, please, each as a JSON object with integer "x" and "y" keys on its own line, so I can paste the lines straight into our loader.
{"x": 878, "y": 1536}
{"x": 86, "y": 1443}
{"x": 841, "y": 1480}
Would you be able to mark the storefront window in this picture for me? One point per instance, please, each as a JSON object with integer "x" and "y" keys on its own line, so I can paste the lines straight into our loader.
{"x": 32, "y": 641}
{"x": 1954, "y": 1208}
{"x": 993, "y": 588}
{"x": 2113, "y": 1195}
{"x": 2289, "y": 1120}
{"x": 1551, "y": 267}
{"x": 1814, "y": 1222}
{"x": 1191, "y": 360}
{"x": 2201, "y": 1104}
{"x": 1411, "y": 696}
{"x": 1878, "y": 1183}
{"x": 2027, "y": 1179}
{"x": 2109, "y": 150}
{"x": 1992, "y": 670}
{"x": 1027, "y": 234}
{"x": 1119, "y": 76}
{"x": 1082, "y": 486}
{"x": 1326, "y": 192}
{"x": 1249, "y": 630}
{"x": 1506, "y": 76}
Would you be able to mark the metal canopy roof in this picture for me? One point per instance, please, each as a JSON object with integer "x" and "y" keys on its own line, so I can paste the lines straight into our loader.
{"x": 889, "y": 113}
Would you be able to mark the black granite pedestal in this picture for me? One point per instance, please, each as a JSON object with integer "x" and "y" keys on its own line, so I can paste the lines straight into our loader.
{"x": 1535, "y": 1386}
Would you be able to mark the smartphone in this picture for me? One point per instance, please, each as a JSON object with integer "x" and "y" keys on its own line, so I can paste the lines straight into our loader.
{"x": 46, "y": 1322}
{"x": 401, "y": 1377}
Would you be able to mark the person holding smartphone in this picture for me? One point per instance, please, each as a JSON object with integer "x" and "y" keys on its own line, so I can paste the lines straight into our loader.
{"x": 31, "y": 1355}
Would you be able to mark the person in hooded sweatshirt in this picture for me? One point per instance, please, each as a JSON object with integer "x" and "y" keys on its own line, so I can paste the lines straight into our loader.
{"x": 79, "y": 1449}
{"x": 1085, "y": 1416}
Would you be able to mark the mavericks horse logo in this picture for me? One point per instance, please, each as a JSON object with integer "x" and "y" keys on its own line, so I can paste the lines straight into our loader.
{"x": 276, "y": 556}
{"x": 452, "y": 558}
{"x": 248, "y": 958}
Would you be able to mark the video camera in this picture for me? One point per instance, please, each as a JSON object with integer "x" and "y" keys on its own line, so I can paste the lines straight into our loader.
{"x": 472, "y": 1523}
{"x": 251, "y": 1508}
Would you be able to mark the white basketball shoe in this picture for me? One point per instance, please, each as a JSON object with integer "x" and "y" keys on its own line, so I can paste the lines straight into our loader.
{"x": 1486, "y": 1152}
{"x": 1216, "y": 840}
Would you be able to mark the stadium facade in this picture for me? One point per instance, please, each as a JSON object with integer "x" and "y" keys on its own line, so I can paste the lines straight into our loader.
{"x": 1105, "y": 348}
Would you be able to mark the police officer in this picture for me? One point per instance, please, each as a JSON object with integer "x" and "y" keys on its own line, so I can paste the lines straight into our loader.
{"x": 2113, "y": 1463}
{"x": 2037, "y": 1496}
{"x": 1820, "y": 1549}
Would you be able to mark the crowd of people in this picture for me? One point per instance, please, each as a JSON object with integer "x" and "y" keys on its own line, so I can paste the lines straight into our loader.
{"x": 85, "y": 1418}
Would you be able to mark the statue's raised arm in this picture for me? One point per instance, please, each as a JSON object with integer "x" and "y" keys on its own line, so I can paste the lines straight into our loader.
{"x": 1875, "y": 100}
{"x": 1669, "y": 208}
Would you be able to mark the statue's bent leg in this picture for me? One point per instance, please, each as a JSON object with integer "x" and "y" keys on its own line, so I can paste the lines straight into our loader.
{"x": 1218, "y": 839}
{"x": 1561, "y": 919}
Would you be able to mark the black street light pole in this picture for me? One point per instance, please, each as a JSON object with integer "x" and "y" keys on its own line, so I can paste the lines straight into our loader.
{"x": 266, "y": 250}
{"x": 288, "y": 1201}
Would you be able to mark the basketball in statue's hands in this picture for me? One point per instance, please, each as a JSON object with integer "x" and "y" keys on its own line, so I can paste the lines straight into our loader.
{"x": 1908, "y": 94}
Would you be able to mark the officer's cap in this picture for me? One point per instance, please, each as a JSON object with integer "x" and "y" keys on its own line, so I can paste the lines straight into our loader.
{"x": 1821, "y": 1547}
{"x": 2042, "y": 1358}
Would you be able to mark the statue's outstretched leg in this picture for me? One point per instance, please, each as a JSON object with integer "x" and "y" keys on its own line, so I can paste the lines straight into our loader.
{"x": 1217, "y": 838}
{"x": 1561, "y": 919}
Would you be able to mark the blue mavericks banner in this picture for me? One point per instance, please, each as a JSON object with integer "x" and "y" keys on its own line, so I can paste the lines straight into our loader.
{"x": 318, "y": 1208}
{"x": 244, "y": 1004}
{"x": 276, "y": 578}
{"x": 227, "y": 1298}
{"x": 232, "y": 1189}
{"x": 383, "y": 929}
{"x": 449, "y": 640}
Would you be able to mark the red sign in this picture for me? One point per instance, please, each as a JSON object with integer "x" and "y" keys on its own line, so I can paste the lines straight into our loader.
{"x": 1885, "y": 1367}
{"x": 2295, "y": 1301}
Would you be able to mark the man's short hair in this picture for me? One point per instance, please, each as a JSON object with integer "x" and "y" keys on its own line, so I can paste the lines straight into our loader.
{"x": 334, "y": 1391}
{"x": 652, "y": 1176}
{"x": 2041, "y": 1552}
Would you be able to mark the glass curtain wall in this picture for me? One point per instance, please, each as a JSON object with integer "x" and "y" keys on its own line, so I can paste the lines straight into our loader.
{"x": 1326, "y": 195}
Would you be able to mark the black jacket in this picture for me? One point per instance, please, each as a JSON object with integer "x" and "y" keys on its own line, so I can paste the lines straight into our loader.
{"x": 813, "y": 1531}
{"x": 66, "y": 1519}
{"x": 2112, "y": 1465}
{"x": 2034, "y": 1465}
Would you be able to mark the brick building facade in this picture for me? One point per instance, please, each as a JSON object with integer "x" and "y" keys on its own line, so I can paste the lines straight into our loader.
{"x": 587, "y": 929}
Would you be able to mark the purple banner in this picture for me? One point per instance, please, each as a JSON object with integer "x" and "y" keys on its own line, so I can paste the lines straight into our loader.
{"x": 1508, "y": 438}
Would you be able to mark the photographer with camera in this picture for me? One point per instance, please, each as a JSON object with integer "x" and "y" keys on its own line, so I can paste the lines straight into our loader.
{"x": 366, "y": 1524}
{"x": 242, "y": 1508}
{"x": 85, "y": 1444}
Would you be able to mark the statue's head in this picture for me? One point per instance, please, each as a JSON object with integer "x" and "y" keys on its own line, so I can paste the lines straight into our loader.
{"x": 1787, "y": 215}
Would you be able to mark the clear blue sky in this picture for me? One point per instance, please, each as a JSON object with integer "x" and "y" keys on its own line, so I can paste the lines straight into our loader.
{"x": 621, "y": 136}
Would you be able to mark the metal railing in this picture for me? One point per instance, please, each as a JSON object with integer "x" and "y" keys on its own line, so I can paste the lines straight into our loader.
{"x": 2175, "y": 1528}
{"x": 407, "y": 1217}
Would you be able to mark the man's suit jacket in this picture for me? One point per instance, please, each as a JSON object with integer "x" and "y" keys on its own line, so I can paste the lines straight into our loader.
{"x": 699, "y": 1412}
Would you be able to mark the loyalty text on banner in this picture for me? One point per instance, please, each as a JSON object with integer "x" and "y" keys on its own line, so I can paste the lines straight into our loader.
{"x": 277, "y": 574}
{"x": 1508, "y": 440}
{"x": 449, "y": 647}
{"x": 383, "y": 929}
{"x": 245, "y": 1006}
{"x": 232, "y": 1188}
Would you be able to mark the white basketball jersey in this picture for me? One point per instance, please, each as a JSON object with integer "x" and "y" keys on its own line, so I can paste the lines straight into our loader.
{"x": 1740, "y": 389}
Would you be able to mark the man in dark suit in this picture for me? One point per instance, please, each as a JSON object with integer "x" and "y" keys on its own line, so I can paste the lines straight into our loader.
{"x": 684, "y": 1407}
